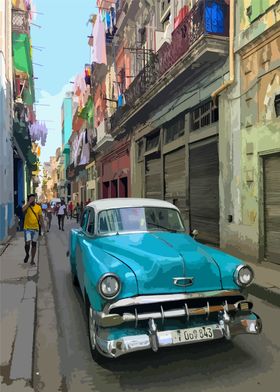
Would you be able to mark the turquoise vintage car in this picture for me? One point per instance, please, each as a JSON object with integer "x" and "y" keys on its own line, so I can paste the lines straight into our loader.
{"x": 147, "y": 284}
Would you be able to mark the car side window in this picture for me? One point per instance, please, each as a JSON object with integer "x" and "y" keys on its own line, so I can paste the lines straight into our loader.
{"x": 91, "y": 222}
{"x": 84, "y": 220}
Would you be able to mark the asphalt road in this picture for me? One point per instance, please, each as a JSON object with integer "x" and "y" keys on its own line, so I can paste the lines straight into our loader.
{"x": 249, "y": 363}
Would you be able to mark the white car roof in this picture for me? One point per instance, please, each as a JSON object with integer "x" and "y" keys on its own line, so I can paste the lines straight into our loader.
{"x": 107, "y": 204}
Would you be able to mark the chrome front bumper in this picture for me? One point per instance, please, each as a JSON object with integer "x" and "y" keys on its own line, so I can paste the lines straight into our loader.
{"x": 226, "y": 327}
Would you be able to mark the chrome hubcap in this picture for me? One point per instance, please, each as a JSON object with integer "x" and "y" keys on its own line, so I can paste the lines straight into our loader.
{"x": 92, "y": 329}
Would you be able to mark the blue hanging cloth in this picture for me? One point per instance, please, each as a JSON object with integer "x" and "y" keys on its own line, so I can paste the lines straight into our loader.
{"x": 120, "y": 100}
{"x": 108, "y": 20}
{"x": 214, "y": 18}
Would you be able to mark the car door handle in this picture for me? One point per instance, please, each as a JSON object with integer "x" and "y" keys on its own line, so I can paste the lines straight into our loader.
{"x": 183, "y": 281}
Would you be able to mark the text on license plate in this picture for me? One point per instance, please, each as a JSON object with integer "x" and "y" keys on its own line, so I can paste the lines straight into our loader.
{"x": 192, "y": 334}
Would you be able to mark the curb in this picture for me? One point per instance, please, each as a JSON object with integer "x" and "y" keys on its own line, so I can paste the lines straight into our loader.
{"x": 268, "y": 294}
{"x": 22, "y": 362}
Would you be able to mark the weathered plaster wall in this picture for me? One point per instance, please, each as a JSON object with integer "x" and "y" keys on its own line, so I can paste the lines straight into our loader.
{"x": 265, "y": 14}
{"x": 251, "y": 129}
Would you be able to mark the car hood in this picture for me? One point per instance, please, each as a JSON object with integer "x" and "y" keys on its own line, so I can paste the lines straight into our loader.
{"x": 157, "y": 258}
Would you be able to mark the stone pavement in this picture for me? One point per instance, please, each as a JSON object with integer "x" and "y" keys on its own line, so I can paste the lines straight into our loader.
{"x": 17, "y": 308}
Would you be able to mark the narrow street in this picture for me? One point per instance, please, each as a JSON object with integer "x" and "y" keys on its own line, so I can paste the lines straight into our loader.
{"x": 63, "y": 361}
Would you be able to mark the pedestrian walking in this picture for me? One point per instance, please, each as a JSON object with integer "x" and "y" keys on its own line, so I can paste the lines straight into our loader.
{"x": 49, "y": 213}
{"x": 70, "y": 209}
{"x": 33, "y": 218}
{"x": 61, "y": 215}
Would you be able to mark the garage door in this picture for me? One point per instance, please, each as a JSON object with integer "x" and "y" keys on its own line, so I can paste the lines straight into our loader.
{"x": 175, "y": 180}
{"x": 272, "y": 208}
{"x": 204, "y": 191}
{"x": 153, "y": 176}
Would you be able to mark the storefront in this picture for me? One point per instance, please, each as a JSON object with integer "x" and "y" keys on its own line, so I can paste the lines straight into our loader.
{"x": 114, "y": 172}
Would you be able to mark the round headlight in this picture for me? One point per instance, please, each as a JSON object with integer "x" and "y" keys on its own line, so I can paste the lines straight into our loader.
{"x": 244, "y": 275}
{"x": 109, "y": 286}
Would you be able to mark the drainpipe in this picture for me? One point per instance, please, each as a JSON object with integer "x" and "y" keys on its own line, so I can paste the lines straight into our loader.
{"x": 231, "y": 55}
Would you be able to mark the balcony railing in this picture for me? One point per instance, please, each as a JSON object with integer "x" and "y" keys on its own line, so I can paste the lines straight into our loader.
{"x": 20, "y": 21}
{"x": 206, "y": 18}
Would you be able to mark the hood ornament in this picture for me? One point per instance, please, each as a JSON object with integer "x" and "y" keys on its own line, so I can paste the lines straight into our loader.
{"x": 184, "y": 281}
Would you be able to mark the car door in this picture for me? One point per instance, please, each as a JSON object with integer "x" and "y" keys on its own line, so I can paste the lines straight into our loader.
{"x": 80, "y": 247}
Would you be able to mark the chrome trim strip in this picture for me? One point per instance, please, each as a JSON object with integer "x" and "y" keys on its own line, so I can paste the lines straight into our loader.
{"x": 155, "y": 339}
{"x": 110, "y": 320}
{"x": 150, "y": 299}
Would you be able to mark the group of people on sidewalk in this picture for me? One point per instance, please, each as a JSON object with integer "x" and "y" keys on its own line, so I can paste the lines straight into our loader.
{"x": 33, "y": 218}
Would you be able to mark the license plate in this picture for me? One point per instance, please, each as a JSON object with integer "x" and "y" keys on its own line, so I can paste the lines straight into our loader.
{"x": 192, "y": 334}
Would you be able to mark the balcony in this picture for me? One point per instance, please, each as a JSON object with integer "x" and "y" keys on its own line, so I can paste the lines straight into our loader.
{"x": 199, "y": 40}
{"x": 104, "y": 138}
{"x": 20, "y": 23}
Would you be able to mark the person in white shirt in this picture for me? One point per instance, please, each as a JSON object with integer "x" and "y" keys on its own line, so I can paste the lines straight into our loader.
{"x": 62, "y": 211}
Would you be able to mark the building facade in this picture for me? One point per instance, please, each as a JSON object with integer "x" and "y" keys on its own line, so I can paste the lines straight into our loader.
{"x": 250, "y": 144}
{"x": 6, "y": 124}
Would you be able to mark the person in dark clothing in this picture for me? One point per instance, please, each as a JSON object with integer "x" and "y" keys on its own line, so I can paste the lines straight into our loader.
{"x": 49, "y": 213}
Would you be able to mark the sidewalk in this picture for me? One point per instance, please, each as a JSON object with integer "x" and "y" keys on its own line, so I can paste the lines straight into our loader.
{"x": 266, "y": 284}
{"x": 18, "y": 291}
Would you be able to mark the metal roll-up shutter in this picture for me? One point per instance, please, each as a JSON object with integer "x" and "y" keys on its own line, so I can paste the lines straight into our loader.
{"x": 204, "y": 191}
{"x": 153, "y": 176}
{"x": 272, "y": 208}
{"x": 175, "y": 179}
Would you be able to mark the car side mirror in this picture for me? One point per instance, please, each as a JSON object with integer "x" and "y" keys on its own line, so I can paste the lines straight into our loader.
{"x": 194, "y": 233}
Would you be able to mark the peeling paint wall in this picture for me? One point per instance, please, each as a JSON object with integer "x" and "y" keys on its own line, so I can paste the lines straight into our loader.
{"x": 251, "y": 130}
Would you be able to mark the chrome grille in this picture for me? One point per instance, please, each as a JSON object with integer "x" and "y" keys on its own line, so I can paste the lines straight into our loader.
{"x": 192, "y": 306}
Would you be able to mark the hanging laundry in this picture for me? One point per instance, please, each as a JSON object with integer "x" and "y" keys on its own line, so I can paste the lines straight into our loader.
{"x": 103, "y": 16}
{"x": 108, "y": 20}
{"x": 99, "y": 45}
{"x": 87, "y": 74}
{"x": 85, "y": 150}
{"x": 113, "y": 16}
{"x": 120, "y": 100}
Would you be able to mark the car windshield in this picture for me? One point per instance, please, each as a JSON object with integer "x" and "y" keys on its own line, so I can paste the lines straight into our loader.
{"x": 133, "y": 219}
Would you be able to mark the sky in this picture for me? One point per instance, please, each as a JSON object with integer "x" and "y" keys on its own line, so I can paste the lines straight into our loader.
{"x": 60, "y": 51}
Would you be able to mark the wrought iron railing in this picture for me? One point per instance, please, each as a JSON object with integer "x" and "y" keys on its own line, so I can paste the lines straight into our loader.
{"x": 20, "y": 21}
{"x": 207, "y": 17}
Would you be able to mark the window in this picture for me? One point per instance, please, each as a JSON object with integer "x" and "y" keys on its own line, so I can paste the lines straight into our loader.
{"x": 152, "y": 141}
{"x": 133, "y": 219}
{"x": 203, "y": 115}
{"x": 277, "y": 105}
{"x": 174, "y": 129}
{"x": 91, "y": 221}
{"x": 84, "y": 219}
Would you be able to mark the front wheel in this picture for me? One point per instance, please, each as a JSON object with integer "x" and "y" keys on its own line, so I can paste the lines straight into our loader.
{"x": 92, "y": 331}
{"x": 74, "y": 278}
